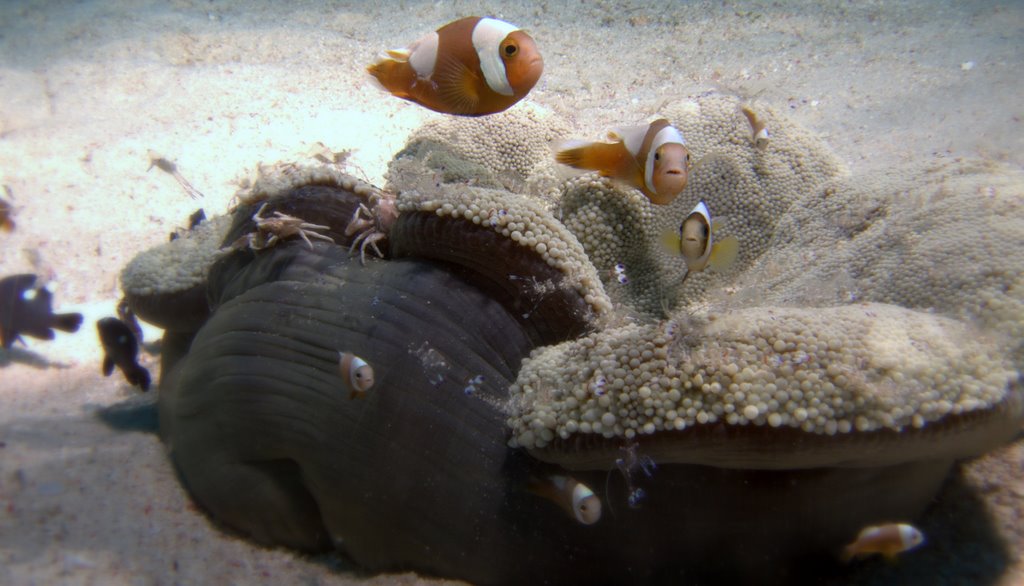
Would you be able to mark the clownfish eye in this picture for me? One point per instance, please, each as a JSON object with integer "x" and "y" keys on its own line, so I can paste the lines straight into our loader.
{"x": 657, "y": 155}
{"x": 511, "y": 49}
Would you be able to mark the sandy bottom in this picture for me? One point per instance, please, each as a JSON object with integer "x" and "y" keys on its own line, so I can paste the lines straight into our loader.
{"x": 86, "y": 90}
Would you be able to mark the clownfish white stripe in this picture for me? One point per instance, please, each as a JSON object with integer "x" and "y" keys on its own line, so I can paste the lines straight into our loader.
{"x": 632, "y": 137}
{"x": 423, "y": 57}
{"x": 487, "y": 37}
{"x": 667, "y": 135}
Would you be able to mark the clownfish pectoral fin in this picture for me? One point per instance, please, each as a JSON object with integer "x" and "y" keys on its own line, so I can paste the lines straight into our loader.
{"x": 724, "y": 253}
{"x": 457, "y": 86}
{"x": 670, "y": 242}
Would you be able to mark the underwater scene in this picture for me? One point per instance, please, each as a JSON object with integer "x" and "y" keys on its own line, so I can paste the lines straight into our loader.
{"x": 559, "y": 292}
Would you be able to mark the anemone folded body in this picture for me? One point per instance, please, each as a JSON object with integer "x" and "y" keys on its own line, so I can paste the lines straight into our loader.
{"x": 259, "y": 400}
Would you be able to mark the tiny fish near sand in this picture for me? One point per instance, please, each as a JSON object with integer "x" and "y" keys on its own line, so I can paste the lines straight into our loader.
{"x": 121, "y": 349}
{"x": 28, "y": 310}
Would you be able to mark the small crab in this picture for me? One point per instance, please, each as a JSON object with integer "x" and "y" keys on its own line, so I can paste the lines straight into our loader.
{"x": 270, "y": 231}
{"x": 371, "y": 225}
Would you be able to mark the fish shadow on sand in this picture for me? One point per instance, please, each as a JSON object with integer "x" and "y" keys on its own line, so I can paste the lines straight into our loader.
{"x": 138, "y": 413}
{"x": 27, "y": 357}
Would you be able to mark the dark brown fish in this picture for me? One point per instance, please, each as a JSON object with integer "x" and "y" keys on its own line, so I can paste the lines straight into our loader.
{"x": 25, "y": 309}
{"x": 122, "y": 350}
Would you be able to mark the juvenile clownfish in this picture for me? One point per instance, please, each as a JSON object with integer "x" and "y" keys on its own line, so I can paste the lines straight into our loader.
{"x": 651, "y": 157}
{"x": 695, "y": 241}
{"x": 758, "y": 127}
{"x": 471, "y": 67}
{"x": 575, "y": 497}
{"x": 889, "y": 540}
{"x": 357, "y": 374}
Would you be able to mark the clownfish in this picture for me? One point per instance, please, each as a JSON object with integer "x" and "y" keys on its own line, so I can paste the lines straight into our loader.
{"x": 572, "y": 495}
{"x": 695, "y": 241}
{"x": 357, "y": 374}
{"x": 471, "y": 67}
{"x": 758, "y": 127}
{"x": 889, "y": 540}
{"x": 651, "y": 157}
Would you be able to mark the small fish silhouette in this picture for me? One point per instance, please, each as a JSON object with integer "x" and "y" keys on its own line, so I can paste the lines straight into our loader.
{"x": 25, "y": 309}
{"x": 122, "y": 350}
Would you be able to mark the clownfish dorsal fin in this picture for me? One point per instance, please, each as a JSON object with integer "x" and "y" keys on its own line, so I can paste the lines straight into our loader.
{"x": 457, "y": 85}
{"x": 401, "y": 55}
{"x": 631, "y": 137}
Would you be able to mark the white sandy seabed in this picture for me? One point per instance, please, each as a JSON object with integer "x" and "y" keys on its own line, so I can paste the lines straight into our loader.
{"x": 87, "y": 89}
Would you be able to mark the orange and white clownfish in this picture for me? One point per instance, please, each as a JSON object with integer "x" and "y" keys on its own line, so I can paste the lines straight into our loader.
{"x": 695, "y": 241}
{"x": 573, "y": 496}
{"x": 758, "y": 127}
{"x": 471, "y": 67}
{"x": 889, "y": 540}
{"x": 651, "y": 157}
{"x": 357, "y": 374}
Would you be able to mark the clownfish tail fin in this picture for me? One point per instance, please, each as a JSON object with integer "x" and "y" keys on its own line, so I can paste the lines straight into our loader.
{"x": 572, "y": 153}
{"x": 391, "y": 76}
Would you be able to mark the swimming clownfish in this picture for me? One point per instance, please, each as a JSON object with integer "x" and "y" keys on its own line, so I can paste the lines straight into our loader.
{"x": 651, "y": 157}
{"x": 695, "y": 241}
{"x": 472, "y": 67}
{"x": 889, "y": 540}
{"x": 758, "y": 127}
{"x": 575, "y": 497}
{"x": 357, "y": 374}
